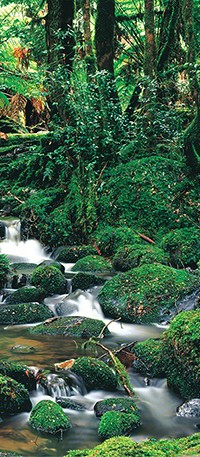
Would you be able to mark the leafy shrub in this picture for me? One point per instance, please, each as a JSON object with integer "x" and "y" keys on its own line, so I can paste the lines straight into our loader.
{"x": 4, "y": 269}
{"x": 110, "y": 239}
{"x": 50, "y": 279}
{"x": 132, "y": 256}
{"x": 95, "y": 373}
{"x": 183, "y": 246}
{"x": 94, "y": 263}
{"x": 114, "y": 423}
{"x": 49, "y": 417}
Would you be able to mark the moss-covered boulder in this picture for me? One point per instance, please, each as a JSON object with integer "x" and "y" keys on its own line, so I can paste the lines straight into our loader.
{"x": 132, "y": 256}
{"x": 109, "y": 239}
{"x": 114, "y": 423}
{"x": 70, "y": 254}
{"x": 26, "y": 295}
{"x": 49, "y": 417}
{"x": 52, "y": 263}
{"x": 85, "y": 281}
{"x": 50, "y": 279}
{"x": 74, "y": 326}
{"x": 149, "y": 358}
{"x": 121, "y": 405}
{"x": 183, "y": 246}
{"x": 95, "y": 373}
{"x": 182, "y": 354}
{"x": 66, "y": 402}
{"x": 21, "y": 373}
{"x": 141, "y": 294}
{"x": 4, "y": 269}
{"x": 93, "y": 263}
{"x": 24, "y": 313}
{"x": 14, "y": 398}
{"x": 126, "y": 447}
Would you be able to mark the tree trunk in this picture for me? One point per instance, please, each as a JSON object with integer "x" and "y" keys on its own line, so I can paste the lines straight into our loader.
{"x": 167, "y": 41}
{"x": 104, "y": 35}
{"x": 89, "y": 56}
{"x": 150, "y": 43}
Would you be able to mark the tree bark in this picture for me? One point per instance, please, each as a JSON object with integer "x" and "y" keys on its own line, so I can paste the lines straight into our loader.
{"x": 150, "y": 43}
{"x": 104, "y": 35}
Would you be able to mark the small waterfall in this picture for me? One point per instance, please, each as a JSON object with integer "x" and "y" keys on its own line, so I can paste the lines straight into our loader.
{"x": 13, "y": 231}
{"x": 57, "y": 387}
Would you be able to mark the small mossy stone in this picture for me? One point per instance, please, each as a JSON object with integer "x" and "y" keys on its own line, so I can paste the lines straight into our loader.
{"x": 132, "y": 256}
{"x": 114, "y": 423}
{"x": 49, "y": 417}
{"x": 74, "y": 326}
{"x": 122, "y": 405}
{"x": 50, "y": 279}
{"x": 149, "y": 358}
{"x": 85, "y": 281}
{"x": 66, "y": 402}
{"x": 26, "y": 295}
{"x": 24, "y": 313}
{"x": 70, "y": 254}
{"x": 183, "y": 246}
{"x": 95, "y": 373}
{"x": 93, "y": 263}
{"x": 21, "y": 373}
{"x": 14, "y": 398}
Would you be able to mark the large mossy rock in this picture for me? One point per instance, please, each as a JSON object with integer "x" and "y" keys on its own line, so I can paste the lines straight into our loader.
{"x": 132, "y": 256}
{"x": 74, "y": 326}
{"x": 95, "y": 373}
{"x": 49, "y": 417}
{"x": 183, "y": 246}
{"x": 21, "y": 373}
{"x": 126, "y": 447}
{"x": 4, "y": 269}
{"x": 24, "y": 313}
{"x": 149, "y": 358}
{"x": 14, "y": 398}
{"x": 93, "y": 263}
{"x": 141, "y": 294}
{"x": 70, "y": 254}
{"x": 122, "y": 405}
{"x": 114, "y": 423}
{"x": 109, "y": 239}
{"x": 86, "y": 281}
{"x": 50, "y": 279}
{"x": 26, "y": 295}
{"x": 182, "y": 354}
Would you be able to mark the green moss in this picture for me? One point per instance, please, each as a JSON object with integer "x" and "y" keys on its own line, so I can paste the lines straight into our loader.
{"x": 19, "y": 372}
{"x": 140, "y": 294}
{"x": 50, "y": 279}
{"x": 149, "y": 358}
{"x": 126, "y": 447}
{"x": 26, "y": 295}
{"x": 94, "y": 263}
{"x": 114, "y": 423}
{"x": 14, "y": 397}
{"x": 86, "y": 281}
{"x": 24, "y": 313}
{"x": 4, "y": 269}
{"x": 183, "y": 246}
{"x": 132, "y": 256}
{"x": 71, "y": 254}
{"x": 95, "y": 373}
{"x": 79, "y": 327}
{"x": 110, "y": 239}
{"x": 122, "y": 405}
{"x": 49, "y": 417}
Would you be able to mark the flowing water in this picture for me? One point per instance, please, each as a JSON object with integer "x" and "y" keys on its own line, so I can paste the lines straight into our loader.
{"x": 156, "y": 402}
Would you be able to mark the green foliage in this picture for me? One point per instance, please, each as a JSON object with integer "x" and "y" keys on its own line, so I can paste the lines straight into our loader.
{"x": 183, "y": 246}
{"x": 95, "y": 373}
{"x": 14, "y": 397}
{"x": 122, "y": 405}
{"x": 141, "y": 294}
{"x": 109, "y": 239}
{"x": 19, "y": 372}
{"x": 78, "y": 327}
{"x": 49, "y": 417}
{"x": 24, "y": 313}
{"x": 50, "y": 279}
{"x": 25, "y": 295}
{"x": 131, "y": 256}
{"x": 94, "y": 263}
{"x": 115, "y": 423}
{"x": 4, "y": 269}
{"x": 149, "y": 358}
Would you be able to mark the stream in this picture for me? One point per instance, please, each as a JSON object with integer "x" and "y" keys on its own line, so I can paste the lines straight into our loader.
{"x": 156, "y": 402}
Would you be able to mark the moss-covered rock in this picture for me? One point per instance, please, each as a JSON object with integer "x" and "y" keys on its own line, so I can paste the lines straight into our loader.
{"x": 95, "y": 373}
{"x": 4, "y": 269}
{"x": 85, "y": 281}
{"x": 21, "y": 373}
{"x": 149, "y": 358}
{"x": 183, "y": 246}
{"x": 14, "y": 398}
{"x": 76, "y": 326}
{"x": 52, "y": 263}
{"x": 109, "y": 239}
{"x": 182, "y": 355}
{"x": 49, "y": 417}
{"x": 94, "y": 263}
{"x": 140, "y": 294}
{"x": 132, "y": 256}
{"x": 50, "y": 279}
{"x": 26, "y": 295}
{"x": 126, "y": 447}
{"x": 24, "y": 313}
{"x": 114, "y": 423}
{"x": 70, "y": 254}
{"x": 66, "y": 402}
{"x": 122, "y": 405}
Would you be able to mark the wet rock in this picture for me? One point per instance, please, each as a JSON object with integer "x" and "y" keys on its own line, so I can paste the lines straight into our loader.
{"x": 122, "y": 405}
{"x": 24, "y": 313}
{"x": 190, "y": 408}
{"x": 86, "y": 281}
{"x": 26, "y": 295}
{"x": 23, "y": 349}
{"x": 65, "y": 308}
{"x": 66, "y": 402}
{"x": 50, "y": 279}
{"x": 75, "y": 326}
{"x": 95, "y": 373}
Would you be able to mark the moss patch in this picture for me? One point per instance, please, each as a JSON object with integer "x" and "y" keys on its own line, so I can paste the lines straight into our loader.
{"x": 149, "y": 358}
{"x": 70, "y": 254}
{"x": 94, "y": 263}
{"x": 85, "y": 281}
{"x": 95, "y": 373}
{"x": 114, "y": 423}
{"x": 14, "y": 397}
{"x": 26, "y": 295}
{"x": 122, "y": 405}
{"x": 76, "y": 326}
{"x": 24, "y": 313}
{"x": 132, "y": 256}
{"x": 183, "y": 246}
{"x": 19, "y": 372}
{"x": 49, "y": 417}
{"x": 109, "y": 239}
{"x": 50, "y": 279}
